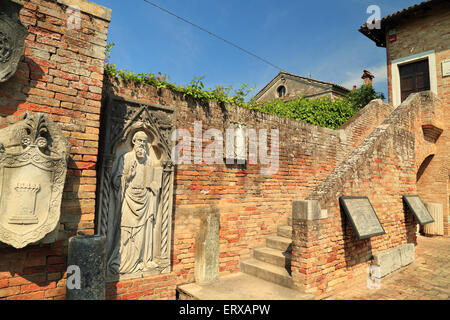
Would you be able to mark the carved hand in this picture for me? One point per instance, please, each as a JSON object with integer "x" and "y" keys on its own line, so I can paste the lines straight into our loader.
{"x": 154, "y": 187}
{"x": 132, "y": 171}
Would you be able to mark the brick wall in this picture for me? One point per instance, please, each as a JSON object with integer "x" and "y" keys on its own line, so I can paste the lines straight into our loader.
{"x": 422, "y": 33}
{"x": 61, "y": 74}
{"x": 250, "y": 204}
{"x": 326, "y": 253}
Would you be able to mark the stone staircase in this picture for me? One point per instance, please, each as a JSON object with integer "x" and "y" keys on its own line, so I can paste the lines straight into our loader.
{"x": 273, "y": 262}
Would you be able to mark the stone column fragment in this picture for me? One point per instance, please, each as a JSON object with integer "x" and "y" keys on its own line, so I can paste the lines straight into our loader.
{"x": 87, "y": 254}
{"x": 207, "y": 250}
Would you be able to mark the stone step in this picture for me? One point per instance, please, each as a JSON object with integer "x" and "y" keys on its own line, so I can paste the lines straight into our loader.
{"x": 289, "y": 219}
{"x": 268, "y": 272}
{"x": 279, "y": 243}
{"x": 273, "y": 256}
{"x": 285, "y": 231}
{"x": 240, "y": 286}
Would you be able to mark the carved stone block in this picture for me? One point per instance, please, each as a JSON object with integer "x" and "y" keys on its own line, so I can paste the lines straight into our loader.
{"x": 88, "y": 253}
{"x": 33, "y": 166}
{"x": 135, "y": 207}
{"x": 207, "y": 250}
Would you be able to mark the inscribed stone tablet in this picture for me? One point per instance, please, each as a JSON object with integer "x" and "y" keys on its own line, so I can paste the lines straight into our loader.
{"x": 419, "y": 210}
{"x": 362, "y": 216}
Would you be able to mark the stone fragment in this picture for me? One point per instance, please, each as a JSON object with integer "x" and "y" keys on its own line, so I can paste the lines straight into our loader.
{"x": 88, "y": 255}
{"x": 207, "y": 250}
{"x": 307, "y": 210}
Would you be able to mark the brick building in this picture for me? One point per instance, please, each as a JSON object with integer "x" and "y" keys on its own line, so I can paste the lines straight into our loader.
{"x": 288, "y": 86}
{"x": 417, "y": 42}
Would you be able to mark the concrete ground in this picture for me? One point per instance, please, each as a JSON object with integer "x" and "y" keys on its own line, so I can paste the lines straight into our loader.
{"x": 427, "y": 278}
{"x": 240, "y": 286}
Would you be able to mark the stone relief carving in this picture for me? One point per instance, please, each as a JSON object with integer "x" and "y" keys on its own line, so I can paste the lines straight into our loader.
{"x": 33, "y": 166}
{"x": 12, "y": 39}
{"x": 135, "y": 197}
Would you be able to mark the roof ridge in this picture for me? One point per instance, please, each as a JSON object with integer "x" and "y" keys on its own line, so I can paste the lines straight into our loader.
{"x": 263, "y": 90}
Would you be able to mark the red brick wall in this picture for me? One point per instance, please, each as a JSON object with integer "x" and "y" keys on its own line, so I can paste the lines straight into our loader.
{"x": 326, "y": 252}
{"x": 161, "y": 287}
{"x": 61, "y": 74}
{"x": 422, "y": 33}
{"x": 251, "y": 205}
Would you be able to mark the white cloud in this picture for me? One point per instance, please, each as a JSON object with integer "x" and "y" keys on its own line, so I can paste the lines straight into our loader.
{"x": 354, "y": 77}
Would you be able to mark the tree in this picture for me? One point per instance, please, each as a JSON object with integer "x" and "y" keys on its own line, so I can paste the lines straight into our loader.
{"x": 360, "y": 97}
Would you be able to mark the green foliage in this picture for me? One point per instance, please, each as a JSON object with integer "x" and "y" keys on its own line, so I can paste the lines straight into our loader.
{"x": 363, "y": 95}
{"x": 194, "y": 89}
{"x": 323, "y": 112}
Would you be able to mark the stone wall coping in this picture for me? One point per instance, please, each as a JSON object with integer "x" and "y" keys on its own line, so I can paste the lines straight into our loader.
{"x": 85, "y": 6}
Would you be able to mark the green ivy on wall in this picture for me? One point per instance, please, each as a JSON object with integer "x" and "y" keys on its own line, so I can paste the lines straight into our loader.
{"x": 323, "y": 112}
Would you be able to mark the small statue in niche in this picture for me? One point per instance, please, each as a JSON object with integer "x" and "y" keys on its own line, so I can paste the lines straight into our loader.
{"x": 136, "y": 183}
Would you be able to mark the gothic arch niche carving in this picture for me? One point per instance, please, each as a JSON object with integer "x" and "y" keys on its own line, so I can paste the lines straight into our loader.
{"x": 136, "y": 188}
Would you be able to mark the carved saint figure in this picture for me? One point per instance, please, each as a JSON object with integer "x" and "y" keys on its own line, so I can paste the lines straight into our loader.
{"x": 137, "y": 184}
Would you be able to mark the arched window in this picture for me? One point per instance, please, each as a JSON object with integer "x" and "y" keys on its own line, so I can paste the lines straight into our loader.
{"x": 281, "y": 91}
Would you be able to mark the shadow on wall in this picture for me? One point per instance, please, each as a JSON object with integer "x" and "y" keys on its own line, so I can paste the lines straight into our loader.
{"x": 34, "y": 272}
{"x": 410, "y": 225}
{"x": 14, "y": 93}
{"x": 356, "y": 251}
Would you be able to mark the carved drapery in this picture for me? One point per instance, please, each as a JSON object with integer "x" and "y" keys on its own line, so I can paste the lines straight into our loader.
{"x": 123, "y": 119}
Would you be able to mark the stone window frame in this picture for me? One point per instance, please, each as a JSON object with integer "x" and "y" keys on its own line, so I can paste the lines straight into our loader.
{"x": 277, "y": 94}
{"x": 395, "y": 64}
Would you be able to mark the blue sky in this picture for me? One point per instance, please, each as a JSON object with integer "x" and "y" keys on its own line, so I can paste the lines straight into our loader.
{"x": 318, "y": 38}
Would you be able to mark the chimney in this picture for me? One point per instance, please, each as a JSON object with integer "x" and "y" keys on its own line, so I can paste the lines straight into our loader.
{"x": 367, "y": 77}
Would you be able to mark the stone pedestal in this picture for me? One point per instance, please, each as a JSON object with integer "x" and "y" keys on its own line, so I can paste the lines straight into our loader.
{"x": 207, "y": 250}
{"x": 87, "y": 256}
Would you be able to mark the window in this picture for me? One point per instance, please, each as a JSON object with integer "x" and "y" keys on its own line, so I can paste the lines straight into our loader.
{"x": 281, "y": 91}
{"x": 410, "y": 85}
{"x": 414, "y": 77}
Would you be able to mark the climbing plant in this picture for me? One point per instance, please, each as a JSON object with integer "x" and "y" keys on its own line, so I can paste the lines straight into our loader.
{"x": 323, "y": 112}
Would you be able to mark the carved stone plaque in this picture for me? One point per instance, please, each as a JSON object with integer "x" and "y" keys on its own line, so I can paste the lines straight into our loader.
{"x": 135, "y": 200}
{"x": 362, "y": 216}
{"x": 33, "y": 166}
{"x": 418, "y": 208}
{"x": 12, "y": 39}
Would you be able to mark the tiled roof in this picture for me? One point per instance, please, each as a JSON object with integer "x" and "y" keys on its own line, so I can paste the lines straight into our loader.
{"x": 263, "y": 90}
{"x": 379, "y": 35}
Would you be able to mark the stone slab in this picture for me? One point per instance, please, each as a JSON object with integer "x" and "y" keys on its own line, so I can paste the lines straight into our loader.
{"x": 240, "y": 286}
{"x": 207, "y": 250}
{"x": 418, "y": 208}
{"x": 307, "y": 210}
{"x": 88, "y": 255}
{"x": 362, "y": 216}
{"x": 393, "y": 259}
{"x": 407, "y": 252}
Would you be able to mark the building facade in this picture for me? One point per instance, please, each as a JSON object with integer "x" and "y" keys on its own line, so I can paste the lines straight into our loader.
{"x": 417, "y": 42}
{"x": 289, "y": 86}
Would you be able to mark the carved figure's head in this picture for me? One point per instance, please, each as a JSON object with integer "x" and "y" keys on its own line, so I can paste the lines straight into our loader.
{"x": 140, "y": 140}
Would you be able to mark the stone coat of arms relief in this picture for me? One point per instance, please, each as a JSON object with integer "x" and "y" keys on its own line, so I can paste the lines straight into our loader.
{"x": 135, "y": 200}
{"x": 33, "y": 166}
